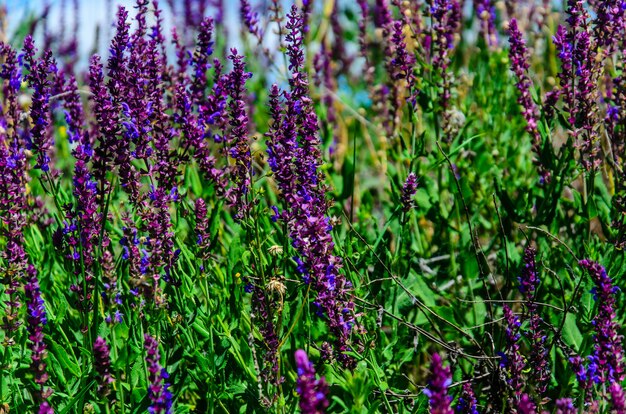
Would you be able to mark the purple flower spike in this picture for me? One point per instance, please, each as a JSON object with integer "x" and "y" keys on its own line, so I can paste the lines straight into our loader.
{"x": 102, "y": 364}
{"x": 408, "y": 192}
{"x": 295, "y": 157}
{"x": 608, "y": 354}
{"x": 538, "y": 360}
{"x": 158, "y": 391}
{"x": 36, "y": 321}
{"x": 618, "y": 400}
{"x": 513, "y": 361}
{"x": 467, "y": 400}
{"x": 250, "y": 19}
{"x": 518, "y": 54}
{"x": 313, "y": 392}
{"x": 437, "y": 390}
{"x": 39, "y": 78}
{"x": 238, "y": 140}
{"x": 525, "y": 405}
{"x": 486, "y": 12}
{"x": 565, "y": 406}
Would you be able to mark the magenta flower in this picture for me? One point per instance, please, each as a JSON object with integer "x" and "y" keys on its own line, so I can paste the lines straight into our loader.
{"x": 102, "y": 364}
{"x": 158, "y": 391}
{"x": 518, "y": 54}
{"x": 408, "y": 192}
{"x": 312, "y": 391}
{"x": 437, "y": 389}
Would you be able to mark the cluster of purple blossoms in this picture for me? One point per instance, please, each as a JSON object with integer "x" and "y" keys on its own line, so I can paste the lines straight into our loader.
{"x": 446, "y": 21}
{"x": 565, "y": 406}
{"x": 437, "y": 391}
{"x": 158, "y": 390}
{"x": 250, "y": 19}
{"x": 36, "y": 321}
{"x": 605, "y": 365}
{"x": 13, "y": 180}
{"x": 528, "y": 284}
{"x": 518, "y": 54}
{"x": 467, "y": 400}
{"x": 83, "y": 224}
{"x": 238, "y": 140}
{"x": 577, "y": 51}
{"x": 102, "y": 364}
{"x": 609, "y": 24}
{"x": 512, "y": 359}
{"x": 526, "y": 405}
{"x": 40, "y": 72}
{"x": 408, "y": 192}
{"x": 486, "y": 12}
{"x": 294, "y": 157}
{"x": 312, "y": 391}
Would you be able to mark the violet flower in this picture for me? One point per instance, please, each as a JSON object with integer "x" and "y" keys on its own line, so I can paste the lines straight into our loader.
{"x": 250, "y": 19}
{"x": 238, "y": 140}
{"x": 312, "y": 391}
{"x": 200, "y": 58}
{"x": 579, "y": 72}
{"x": 512, "y": 359}
{"x": 565, "y": 406}
{"x": 467, "y": 400}
{"x": 437, "y": 389}
{"x": 446, "y": 19}
{"x": 36, "y": 321}
{"x": 608, "y": 352}
{"x": 13, "y": 180}
{"x": 609, "y": 24}
{"x": 525, "y": 405}
{"x": 158, "y": 392}
{"x": 486, "y": 12}
{"x": 102, "y": 364}
{"x": 294, "y": 157}
{"x": 38, "y": 78}
{"x": 408, "y": 192}
{"x": 538, "y": 359}
{"x": 518, "y": 55}
{"x": 618, "y": 399}
{"x": 86, "y": 195}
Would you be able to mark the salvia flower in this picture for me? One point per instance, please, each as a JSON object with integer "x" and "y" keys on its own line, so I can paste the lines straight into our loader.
{"x": 408, "y": 192}
{"x": 238, "y": 140}
{"x": 160, "y": 396}
{"x": 102, "y": 364}
{"x": 294, "y": 157}
{"x": 518, "y": 55}
{"x": 312, "y": 391}
{"x": 38, "y": 78}
{"x": 525, "y": 405}
{"x": 467, "y": 400}
{"x": 565, "y": 406}
{"x": 528, "y": 284}
{"x": 577, "y": 51}
{"x": 512, "y": 359}
{"x": 36, "y": 320}
{"x": 618, "y": 399}
{"x": 437, "y": 389}
{"x": 486, "y": 12}
{"x": 250, "y": 19}
{"x": 13, "y": 180}
{"x": 608, "y": 354}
